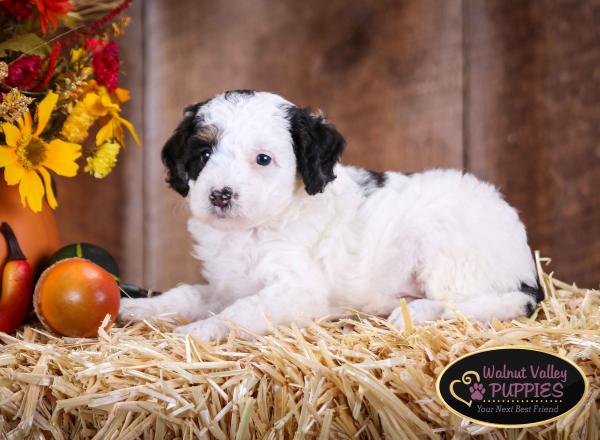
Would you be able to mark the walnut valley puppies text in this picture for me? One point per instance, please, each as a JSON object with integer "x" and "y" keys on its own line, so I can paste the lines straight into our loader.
{"x": 537, "y": 382}
{"x": 511, "y": 386}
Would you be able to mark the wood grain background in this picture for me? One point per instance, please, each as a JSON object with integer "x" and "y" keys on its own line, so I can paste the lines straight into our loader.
{"x": 507, "y": 89}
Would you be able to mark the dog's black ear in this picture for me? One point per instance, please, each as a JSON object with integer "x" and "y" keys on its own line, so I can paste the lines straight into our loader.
{"x": 317, "y": 146}
{"x": 174, "y": 153}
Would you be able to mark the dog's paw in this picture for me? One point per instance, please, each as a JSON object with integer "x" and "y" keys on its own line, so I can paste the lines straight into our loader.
{"x": 211, "y": 329}
{"x": 136, "y": 309}
{"x": 420, "y": 310}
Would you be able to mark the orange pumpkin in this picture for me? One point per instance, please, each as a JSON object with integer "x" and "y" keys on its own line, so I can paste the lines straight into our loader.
{"x": 73, "y": 296}
{"x": 37, "y": 232}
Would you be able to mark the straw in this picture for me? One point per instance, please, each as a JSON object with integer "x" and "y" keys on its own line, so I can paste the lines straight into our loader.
{"x": 357, "y": 377}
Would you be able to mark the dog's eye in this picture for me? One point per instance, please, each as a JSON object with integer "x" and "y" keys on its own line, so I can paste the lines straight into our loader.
{"x": 205, "y": 155}
{"x": 263, "y": 160}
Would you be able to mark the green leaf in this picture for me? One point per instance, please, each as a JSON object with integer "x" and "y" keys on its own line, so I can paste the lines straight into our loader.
{"x": 71, "y": 20}
{"x": 30, "y": 44}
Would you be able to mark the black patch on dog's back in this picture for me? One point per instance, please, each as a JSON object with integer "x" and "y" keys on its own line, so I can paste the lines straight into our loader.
{"x": 369, "y": 181}
{"x": 376, "y": 178}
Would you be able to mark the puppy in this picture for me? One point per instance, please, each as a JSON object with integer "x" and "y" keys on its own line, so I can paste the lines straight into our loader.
{"x": 288, "y": 234}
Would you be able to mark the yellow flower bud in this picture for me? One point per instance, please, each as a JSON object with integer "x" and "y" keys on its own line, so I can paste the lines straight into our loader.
{"x": 78, "y": 123}
{"x": 103, "y": 160}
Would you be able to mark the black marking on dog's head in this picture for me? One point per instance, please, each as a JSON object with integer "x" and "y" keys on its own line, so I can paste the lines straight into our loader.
{"x": 317, "y": 146}
{"x": 182, "y": 153}
{"x": 232, "y": 95}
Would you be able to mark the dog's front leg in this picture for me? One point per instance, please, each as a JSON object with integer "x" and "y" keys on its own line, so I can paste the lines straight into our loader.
{"x": 276, "y": 305}
{"x": 191, "y": 302}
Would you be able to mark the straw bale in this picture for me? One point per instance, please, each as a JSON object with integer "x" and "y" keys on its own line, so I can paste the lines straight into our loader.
{"x": 351, "y": 378}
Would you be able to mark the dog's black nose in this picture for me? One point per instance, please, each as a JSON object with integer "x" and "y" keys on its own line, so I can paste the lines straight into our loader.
{"x": 222, "y": 197}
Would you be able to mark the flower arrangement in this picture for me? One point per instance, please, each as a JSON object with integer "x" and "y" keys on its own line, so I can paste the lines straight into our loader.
{"x": 59, "y": 87}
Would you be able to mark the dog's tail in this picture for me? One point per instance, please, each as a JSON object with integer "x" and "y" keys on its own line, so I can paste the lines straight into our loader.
{"x": 536, "y": 292}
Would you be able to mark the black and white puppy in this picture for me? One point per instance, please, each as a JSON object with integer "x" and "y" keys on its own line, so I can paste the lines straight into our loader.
{"x": 288, "y": 234}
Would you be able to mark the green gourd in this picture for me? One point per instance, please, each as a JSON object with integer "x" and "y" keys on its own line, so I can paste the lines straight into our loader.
{"x": 102, "y": 258}
{"x": 91, "y": 252}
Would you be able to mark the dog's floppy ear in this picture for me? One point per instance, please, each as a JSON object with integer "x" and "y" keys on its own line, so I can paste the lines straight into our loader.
{"x": 317, "y": 146}
{"x": 174, "y": 152}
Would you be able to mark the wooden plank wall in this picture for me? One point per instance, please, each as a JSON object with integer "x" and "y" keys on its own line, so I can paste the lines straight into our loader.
{"x": 533, "y": 118}
{"x": 506, "y": 89}
{"x": 109, "y": 212}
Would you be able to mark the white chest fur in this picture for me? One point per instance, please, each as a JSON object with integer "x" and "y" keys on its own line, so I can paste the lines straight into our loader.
{"x": 335, "y": 243}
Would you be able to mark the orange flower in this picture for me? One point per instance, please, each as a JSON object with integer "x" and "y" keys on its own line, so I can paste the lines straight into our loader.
{"x": 50, "y": 9}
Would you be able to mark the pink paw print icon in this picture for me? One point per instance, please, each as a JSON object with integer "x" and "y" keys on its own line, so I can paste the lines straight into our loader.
{"x": 477, "y": 391}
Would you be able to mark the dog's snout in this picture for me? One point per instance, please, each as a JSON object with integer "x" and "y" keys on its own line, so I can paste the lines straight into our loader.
{"x": 221, "y": 197}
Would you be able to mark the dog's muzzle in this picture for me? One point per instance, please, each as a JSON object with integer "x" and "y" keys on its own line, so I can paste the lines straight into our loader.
{"x": 221, "y": 198}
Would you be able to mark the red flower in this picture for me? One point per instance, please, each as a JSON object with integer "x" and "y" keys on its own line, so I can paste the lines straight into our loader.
{"x": 95, "y": 44}
{"x": 50, "y": 9}
{"x": 18, "y": 8}
{"x": 24, "y": 72}
{"x": 106, "y": 66}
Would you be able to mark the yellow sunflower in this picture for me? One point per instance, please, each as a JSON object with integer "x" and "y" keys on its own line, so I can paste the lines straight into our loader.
{"x": 26, "y": 156}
